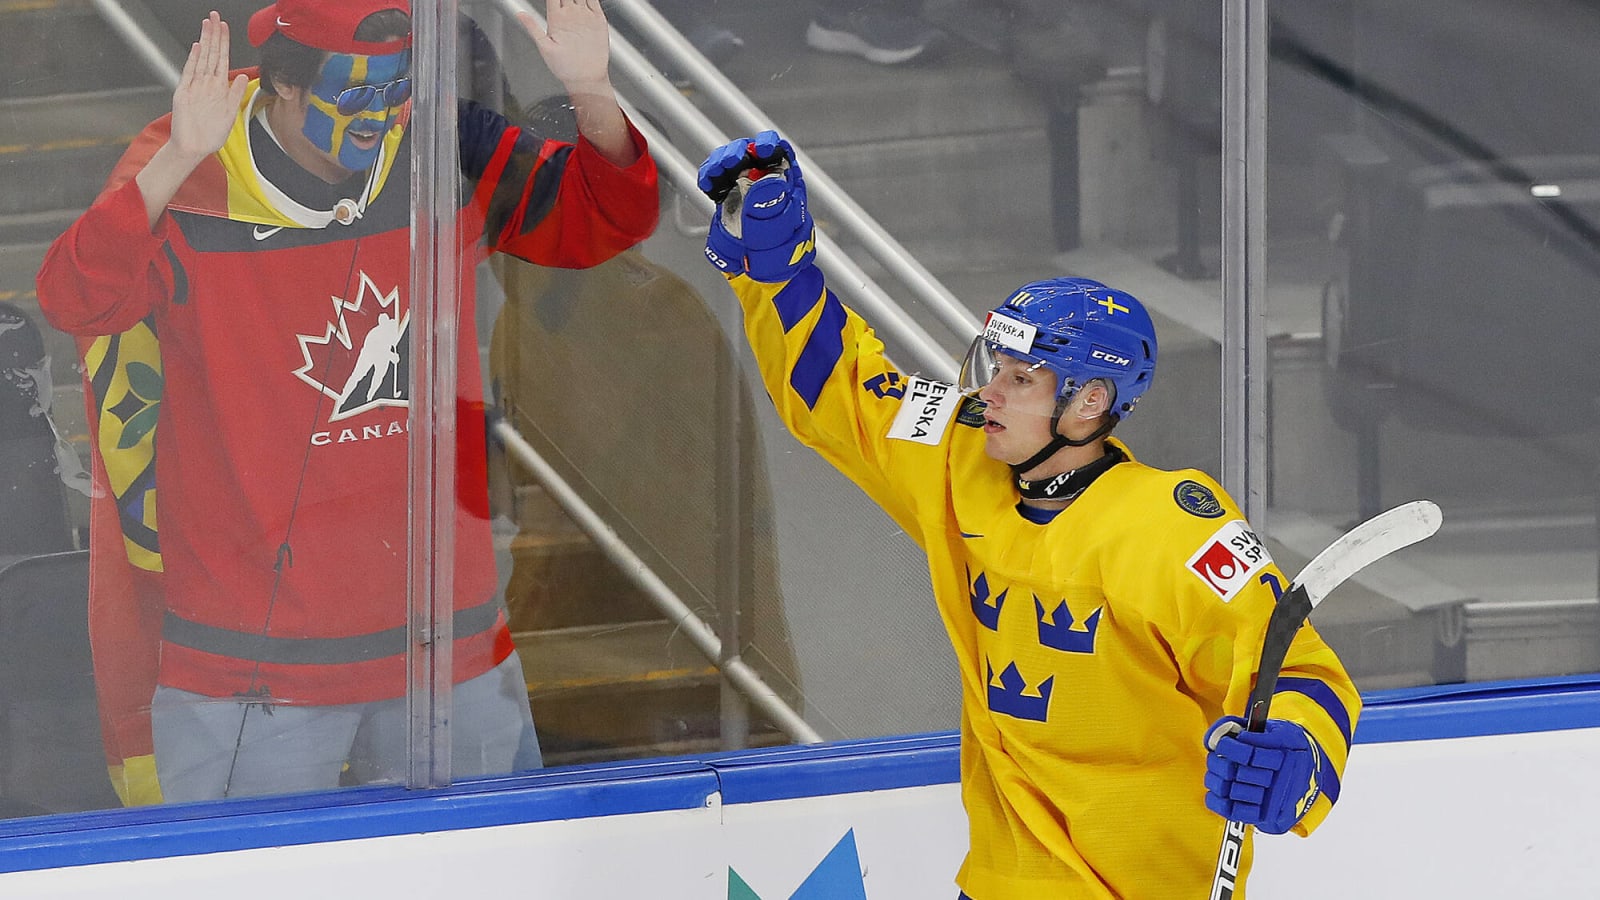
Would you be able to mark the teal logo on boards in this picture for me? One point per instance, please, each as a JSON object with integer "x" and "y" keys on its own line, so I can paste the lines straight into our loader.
{"x": 837, "y": 877}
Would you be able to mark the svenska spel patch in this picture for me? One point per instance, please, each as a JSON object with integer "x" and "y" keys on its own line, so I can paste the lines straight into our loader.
{"x": 925, "y": 411}
{"x": 1009, "y": 332}
{"x": 1230, "y": 559}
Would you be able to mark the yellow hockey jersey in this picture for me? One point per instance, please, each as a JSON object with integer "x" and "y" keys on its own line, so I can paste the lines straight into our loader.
{"x": 1094, "y": 650}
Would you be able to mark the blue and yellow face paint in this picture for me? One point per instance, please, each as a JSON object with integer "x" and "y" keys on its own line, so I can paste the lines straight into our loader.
{"x": 354, "y": 104}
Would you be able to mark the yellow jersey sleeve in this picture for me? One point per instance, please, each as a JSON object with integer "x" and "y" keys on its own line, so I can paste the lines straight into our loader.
{"x": 827, "y": 376}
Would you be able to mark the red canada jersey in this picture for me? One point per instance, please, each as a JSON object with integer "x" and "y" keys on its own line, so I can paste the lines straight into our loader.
{"x": 285, "y": 357}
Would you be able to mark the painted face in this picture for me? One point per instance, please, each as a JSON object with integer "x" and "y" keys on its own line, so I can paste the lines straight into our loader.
{"x": 354, "y": 103}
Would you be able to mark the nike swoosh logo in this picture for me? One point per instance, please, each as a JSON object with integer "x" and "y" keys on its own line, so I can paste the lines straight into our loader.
{"x": 282, "y": 23}
{"x": 262, "y": 234}
{"x": 966, "y": 535}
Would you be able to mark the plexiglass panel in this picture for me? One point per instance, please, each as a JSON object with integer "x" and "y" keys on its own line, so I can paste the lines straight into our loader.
{"x": 612, "y": 464}
{"x": 1432, "y": 282}
{"x": 224, "y": 608}
{"x": 1017, "y": 141}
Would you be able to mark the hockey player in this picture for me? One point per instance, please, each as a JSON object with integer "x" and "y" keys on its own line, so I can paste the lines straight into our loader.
{"x": 1105, "y": 615}
{"x": 260, "y": 234}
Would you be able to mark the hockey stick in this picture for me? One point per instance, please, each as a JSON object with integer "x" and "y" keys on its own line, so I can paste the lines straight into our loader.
{"x": 1358, "y": 548}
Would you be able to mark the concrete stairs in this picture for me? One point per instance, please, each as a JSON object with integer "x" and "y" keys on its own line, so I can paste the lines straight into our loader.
{"x": 608, "y": 676}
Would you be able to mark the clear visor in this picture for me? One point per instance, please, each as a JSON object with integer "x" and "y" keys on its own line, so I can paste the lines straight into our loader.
{"x": 983, "y": 362}
{"x": 980, "y": 366}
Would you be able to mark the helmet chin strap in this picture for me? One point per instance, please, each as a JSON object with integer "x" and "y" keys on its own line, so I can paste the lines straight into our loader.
{"x": 1059, "y": 440}
{"x": 1068, "y": 484}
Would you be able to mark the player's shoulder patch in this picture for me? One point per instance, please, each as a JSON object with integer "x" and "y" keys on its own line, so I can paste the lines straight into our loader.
{"x": 1196, "y": 499}
{"x": 926, "y": 411}
{"x": 971, "y": 412}
{"x": 1228, "y": 560}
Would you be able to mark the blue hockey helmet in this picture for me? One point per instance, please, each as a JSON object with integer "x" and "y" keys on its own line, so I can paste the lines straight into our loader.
{"x": 1078, "y": 328}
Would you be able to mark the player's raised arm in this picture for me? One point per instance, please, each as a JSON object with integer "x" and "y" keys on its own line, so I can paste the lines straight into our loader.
{"x": 204, "y": 107}
{"x": 823, "y": 367}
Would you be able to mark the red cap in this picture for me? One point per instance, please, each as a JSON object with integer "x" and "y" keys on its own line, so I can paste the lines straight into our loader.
{"x": 326, "y": 24}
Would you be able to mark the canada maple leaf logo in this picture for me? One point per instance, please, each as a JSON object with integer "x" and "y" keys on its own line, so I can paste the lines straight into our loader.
{"x": 362, "y": 359}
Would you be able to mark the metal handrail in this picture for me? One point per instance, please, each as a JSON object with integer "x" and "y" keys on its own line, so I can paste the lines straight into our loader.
{"x": 143, "y": 46}
{"x": 821, "y": 188}
{"x": 738, "y": 673}
{"x": 705, "y": 639}
{"x": 844, "y": 275}
{"x": 716, "y": 88}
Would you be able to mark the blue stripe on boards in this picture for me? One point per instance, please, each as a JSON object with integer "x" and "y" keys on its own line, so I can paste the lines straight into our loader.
{"x": 750, "y": 776}
{"x": 149, "y": 832}
{"x": 1433, "y": 712}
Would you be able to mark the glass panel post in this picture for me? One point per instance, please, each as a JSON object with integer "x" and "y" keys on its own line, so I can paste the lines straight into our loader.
{"x": 435, "y": 190}
{"x": 1244, "y": 364}
{"x": 731, "y": 547}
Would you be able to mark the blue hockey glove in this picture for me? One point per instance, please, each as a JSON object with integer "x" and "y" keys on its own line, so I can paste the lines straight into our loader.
{"x": 761, "y": 227}
{"x": 1263, "y": 778}
{"x": 723, "y": 167}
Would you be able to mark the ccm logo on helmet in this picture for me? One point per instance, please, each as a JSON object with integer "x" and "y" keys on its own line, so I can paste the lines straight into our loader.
{"x": 1106, "y": 356}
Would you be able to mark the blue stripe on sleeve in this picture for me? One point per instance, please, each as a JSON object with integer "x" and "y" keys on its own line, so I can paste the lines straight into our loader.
{"x": 798, "y": 297}
{"x": 1324, "y": 697}
{"x": 821, "y": 354}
